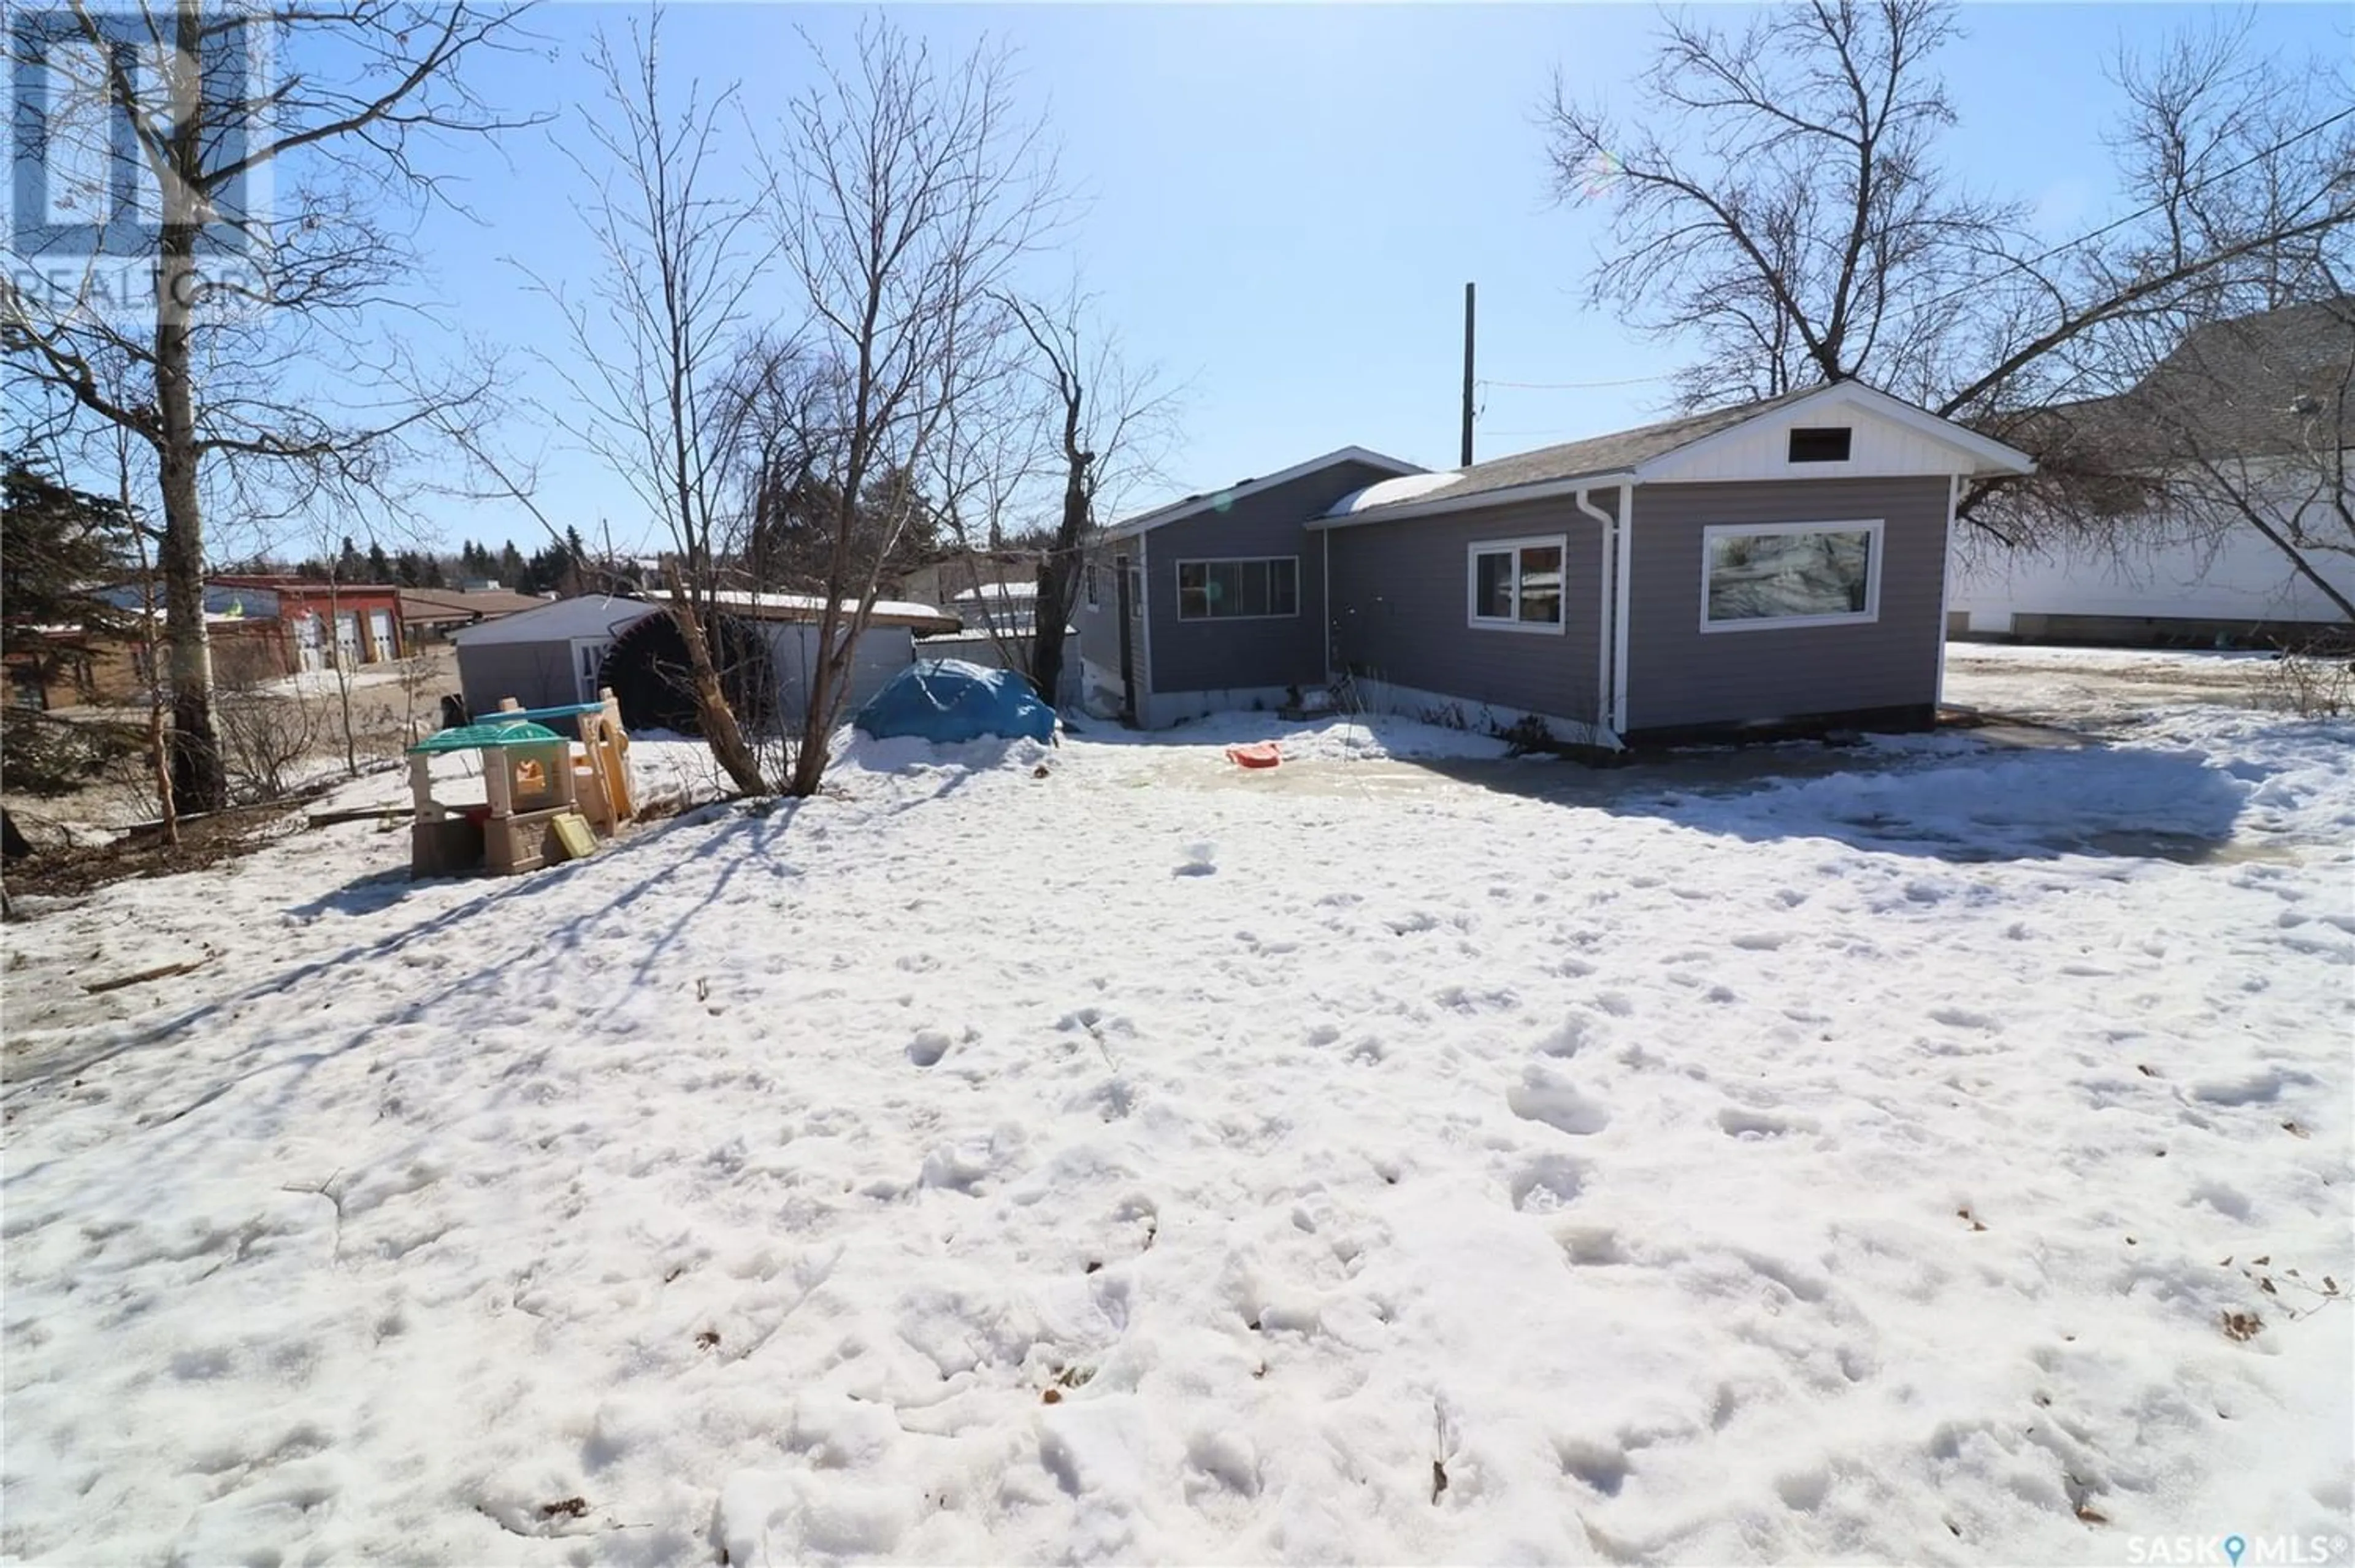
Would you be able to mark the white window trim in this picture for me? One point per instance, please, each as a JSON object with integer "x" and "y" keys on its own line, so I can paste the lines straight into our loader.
{"x": 1293, "y": 615}
{"x": 1088, "y": 574}
{"x": 1472, "y": 554}
{"x": 1864, "y": 617}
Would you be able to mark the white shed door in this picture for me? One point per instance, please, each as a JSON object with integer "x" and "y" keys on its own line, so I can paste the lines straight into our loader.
{"x": 587, "y": 659}
{"x": 380, "y": 632}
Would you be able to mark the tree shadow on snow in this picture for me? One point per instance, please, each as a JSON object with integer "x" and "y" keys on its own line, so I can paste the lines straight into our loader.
{"x": 1963, "y": 802}
{"x": 534, "y": 967}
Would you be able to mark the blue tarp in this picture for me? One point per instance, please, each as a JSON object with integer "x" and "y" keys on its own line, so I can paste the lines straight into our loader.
{"x": 951, "y": 700}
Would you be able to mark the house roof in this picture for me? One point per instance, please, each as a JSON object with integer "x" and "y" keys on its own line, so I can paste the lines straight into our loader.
{"x": 1626, "y": 456}
{"x": 437, "y": 605}
{"x": 1144, "y": 522}
{"x": 298, "y": 587}
{"x": 1599, "y": 454}
{"x": 2272, "y": 383}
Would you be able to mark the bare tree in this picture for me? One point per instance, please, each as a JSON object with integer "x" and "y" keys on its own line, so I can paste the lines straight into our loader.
{"x": 1102, "y": 419}
{"x": 1786, "y": 203}
{"x": 1782, "y": 198}
{"x": 657, "y": 340}
{"x": 904, "y": 193}
{"x": 239, "y": 355}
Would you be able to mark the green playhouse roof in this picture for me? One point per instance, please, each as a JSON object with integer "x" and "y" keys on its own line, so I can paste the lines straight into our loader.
{"x": 477, "y": 737}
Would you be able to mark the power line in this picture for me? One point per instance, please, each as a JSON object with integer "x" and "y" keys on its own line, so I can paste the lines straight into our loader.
{"x": 2193, "y": 189}
{"x": 1578, "y": 386}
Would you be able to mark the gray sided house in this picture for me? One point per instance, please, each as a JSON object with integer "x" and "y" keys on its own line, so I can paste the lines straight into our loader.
{"x": 1781, "y": 561}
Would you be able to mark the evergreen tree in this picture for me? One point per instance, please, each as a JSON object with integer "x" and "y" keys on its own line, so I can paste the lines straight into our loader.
{"x": 511, "y": 564}
{"x": 379, "y": 568}
{"x": 58, "y": 546}
{"x": 348, "y": 564}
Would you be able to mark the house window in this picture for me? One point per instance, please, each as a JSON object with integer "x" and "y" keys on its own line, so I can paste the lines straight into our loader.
{"x": 1238, "y": 590}
{"x": 1516, "y": 584}
{"x": 1819, "y": 443}
{"x": 1135, "y": 592}
{"x": 1088, "y": 574}
{"x": 1789, "y": 574}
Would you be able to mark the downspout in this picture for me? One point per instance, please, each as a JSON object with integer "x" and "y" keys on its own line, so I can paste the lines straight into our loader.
{"x": 1325, "y": 596}
{"x": 1606, "y": 644}
{"x": 1945, "y": 591}
{"x": 1625, "y": 619}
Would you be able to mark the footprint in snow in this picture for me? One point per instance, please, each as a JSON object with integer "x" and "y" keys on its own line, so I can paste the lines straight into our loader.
{"x": 1540, "y": 1096}
{"x": 928, "y": 1047}
{"x": 1202, "y": 860}
{"x": 1741, "y": 1122}
{"x": 1547, "y": 1183}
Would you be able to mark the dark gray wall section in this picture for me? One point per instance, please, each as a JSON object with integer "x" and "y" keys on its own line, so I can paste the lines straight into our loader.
{"x": 1679, "y": 675}
{"x": 1100, "y": 626}
{"x": 1400, "y": 600}
{"x": 538, "y": 674}
{"x": 1215, "y": 655}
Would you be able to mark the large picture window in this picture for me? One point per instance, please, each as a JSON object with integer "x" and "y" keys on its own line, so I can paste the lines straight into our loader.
{"x": 1238, "y": 590}
{"x": 1789, "y": 574}
{"x": 1516, "y": 584}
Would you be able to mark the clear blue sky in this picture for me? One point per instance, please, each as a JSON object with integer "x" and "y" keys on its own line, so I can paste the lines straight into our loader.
{"x": 1285, "y": 202}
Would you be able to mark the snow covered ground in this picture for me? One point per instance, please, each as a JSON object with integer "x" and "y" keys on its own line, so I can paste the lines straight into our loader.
{"x": 1858, "y": 1159}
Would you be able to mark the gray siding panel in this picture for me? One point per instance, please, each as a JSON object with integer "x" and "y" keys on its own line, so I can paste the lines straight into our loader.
{"x": 1217, "y": 655}
{"x": 1680, "y": 675}
{"x": 1400, "y": 596}
{"x": 537, "y": 674}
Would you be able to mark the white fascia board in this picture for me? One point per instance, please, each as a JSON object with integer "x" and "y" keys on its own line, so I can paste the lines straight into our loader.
{"x": 1145, "y": 521}
{"x": 1546, "y": 490}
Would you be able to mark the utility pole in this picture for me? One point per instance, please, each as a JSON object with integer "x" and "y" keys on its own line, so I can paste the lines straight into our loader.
{"x": 1467, "y": 375}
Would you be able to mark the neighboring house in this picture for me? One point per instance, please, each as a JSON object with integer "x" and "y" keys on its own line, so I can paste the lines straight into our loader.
{"x": 431, "y": 614}
{"x": 949, "y": 576}
{"x": 266, "y": 627}
{"x": 556, "y": 653}
{"x": 321, "y": 625}
{"x": 1781, "y": 561}
{"x": 2257, "y": 407}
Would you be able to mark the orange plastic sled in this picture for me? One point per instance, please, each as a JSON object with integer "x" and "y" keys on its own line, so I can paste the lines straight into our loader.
{"x": 1256, "y": 755}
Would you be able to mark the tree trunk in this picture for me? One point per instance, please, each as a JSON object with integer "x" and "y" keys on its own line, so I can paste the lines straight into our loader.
{"x": 817, "y": 721}
{"x": 1056, "y": 575}
{"x": 720, "y": 731}
{"x": 198, "y": 779}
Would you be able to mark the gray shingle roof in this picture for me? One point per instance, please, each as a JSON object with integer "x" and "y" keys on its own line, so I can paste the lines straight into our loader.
{"x": 1596, "y": 454}
{"x": 2261, "y": 385}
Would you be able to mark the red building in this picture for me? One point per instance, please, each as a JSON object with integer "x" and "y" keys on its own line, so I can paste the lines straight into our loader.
{"x": 318, "y": 624}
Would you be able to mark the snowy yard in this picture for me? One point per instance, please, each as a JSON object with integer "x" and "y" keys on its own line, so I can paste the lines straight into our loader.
{"x": 1826, "y": 1154}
